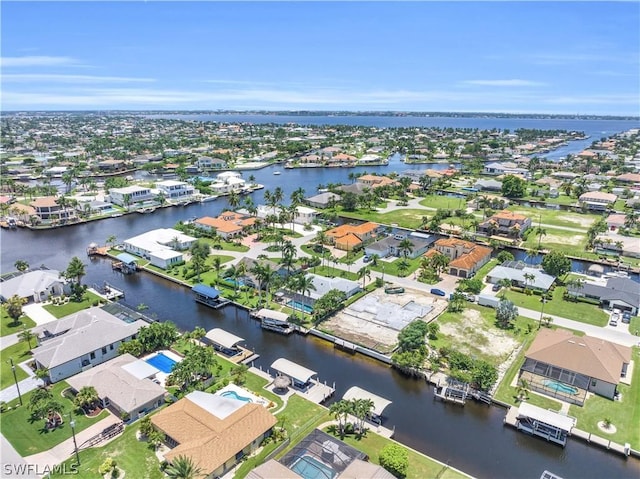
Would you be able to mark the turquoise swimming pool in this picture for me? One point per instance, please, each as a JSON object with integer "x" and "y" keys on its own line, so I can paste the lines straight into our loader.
{"x": 310, "y": 468}
{"x": 298, "y": 306}
{"x": 560, "y": 387}
{"x": 235, "y": 395}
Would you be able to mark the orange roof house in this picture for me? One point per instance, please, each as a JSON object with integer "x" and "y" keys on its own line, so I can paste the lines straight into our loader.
{"x": 465, "y": 257}
{"x": 375, "y": 181}
{"x": 227, "y": 225}
{"x": 346, "y": 236}
{"x": 213, "y": 431}
{"x": 505, "y": 223}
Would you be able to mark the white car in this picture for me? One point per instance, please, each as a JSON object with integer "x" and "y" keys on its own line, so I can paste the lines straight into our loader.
{"x": 613, "y": 321}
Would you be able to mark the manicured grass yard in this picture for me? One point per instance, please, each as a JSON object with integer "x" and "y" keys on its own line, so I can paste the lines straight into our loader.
{"x": 420, "y": 466}
{"x": 19, "y": 352}
{"x": 403, "y": 217}
{"x": 482, "y": 272}
{"x": 72, "y": 307}
{"x": 391, "y": 268}
{"x": 578, "y": 310}
{"x": 443, "y": 202}
{"x": 7, "y": 326}
{"x": 556, "y": 217}
{"x": 29, "y": 437}
{"x": 624, "y": 415}
{"x": 135, "y": 458}
{"x": 331, "y": 272}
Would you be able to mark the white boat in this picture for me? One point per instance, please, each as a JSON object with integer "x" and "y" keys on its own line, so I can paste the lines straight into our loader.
{"x": 206, "y": 199}
{"x": 276, "y": 172}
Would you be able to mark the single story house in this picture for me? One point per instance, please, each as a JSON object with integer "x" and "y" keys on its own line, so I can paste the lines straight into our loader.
{"x": 89, "y": 344}
{"x": 228, "y": 224}
{"x": 614, "y": 243}
{"x": 215, "y": 432}
{"x": 597, "y": 200}
{"x": 465, "y": 257}
{"x": 390, "y": 246}
{"x": 615, "y": 221}
{"x": 560, "y": 364}
{"x": 37, "y": 285}
{"x": 322, "y": 286}
{"x": 505, "y": 168}
{"x": 621, "y": 293}
{"x": 515, "y": 272}
{"x": 322, "y": 200}
{"x": 488, "y": 185}
{"x": 155, "y": 241}
{"x": 124, "y": 384}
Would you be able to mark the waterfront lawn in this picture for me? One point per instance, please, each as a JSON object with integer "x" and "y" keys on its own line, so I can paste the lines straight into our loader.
{"x": 477, "y": 338}
{"x": 556, "y": 217}
{"x": 226, "y": 245}
{"x": 88, "y": 299}
{"x": 624, "y": 414}
{"x": 509, "y": 394}
{"x": 403, "y": 217}
{"x": 29, "y": 437}
{"x": 567, "y": 242}
{"x": 420, "y": 466}
{"x": 575, "y": 310}
{"x": 134, "y": 458}
{"x": 331, "y": 272}
{"x": 8, "y": 326}
{"x": 443, "y": 202}
{"x": 19, "y": 352}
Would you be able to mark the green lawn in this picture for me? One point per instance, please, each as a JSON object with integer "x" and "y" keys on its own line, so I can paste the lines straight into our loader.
{"x": 72, "y": 307}
{"x": 482, "y": 272}
{"x": 19, "y": 352}
{"x": 331, "y": 272}
{"x": 556, "y": 217}
{"x": 624, "y": 414}
{"x": 477, "y": 338}
{"x": 133, "y": 457}
{"x": 227, "y": 245}
{"x": 391, "y": 268}
{"x": 577, "y": 311}
{"x": 443, "y": 202}
{"x": 29, "y": 437}
{"x": 420, "y": 466}
{"x": 403, "y": 217}
{"x": 8, "y": 326}
{"x": 567, "y": 242}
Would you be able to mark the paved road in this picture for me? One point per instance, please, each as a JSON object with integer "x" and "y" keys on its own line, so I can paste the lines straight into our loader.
{"x": 13, "y": 465}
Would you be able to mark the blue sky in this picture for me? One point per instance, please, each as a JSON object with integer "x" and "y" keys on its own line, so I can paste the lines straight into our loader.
{"x": 536, "y": 57}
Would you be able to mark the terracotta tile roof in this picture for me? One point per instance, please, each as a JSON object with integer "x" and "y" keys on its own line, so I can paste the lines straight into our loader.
{"x": 508, "y": 215}
{"x": 586, "y": 355}
{"x": 227, "y": 222}
{"x": 469, "y": 260}
{"x": 44, "y": 202}
{"x": 206, "y": 439}
{"x": 359, "y": 230}
{"x": 349, "y": 239}
{"x": 454, "y": 242}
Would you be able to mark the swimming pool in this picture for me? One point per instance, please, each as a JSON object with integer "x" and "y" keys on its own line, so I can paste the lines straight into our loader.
{"x": 560, "y": 387}
{"x": 297, "y": 305}
{"x": 235, "y": 395}
{"x": 310, "y": 468}
{"x": 162, "y": 362}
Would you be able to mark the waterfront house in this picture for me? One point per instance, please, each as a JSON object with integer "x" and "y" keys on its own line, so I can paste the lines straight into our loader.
{"x": 111, "y": 165}
{"x": 215, "y": 432}
{"x": 488, "y": 185}
{"x": 176, "y": 190}
{"x": 465, "y": 257}
{"x": 227, "y": 182}
{"x": 505, "y": 168}
{"x": 628, "y": 178}
{"x": 323, "y": 200}
{"x": 48, "y": 208}
{"x": 565, "y": 366}
{"x": 152, "y": 244}
{"x": 375, "y": 181}
{"x": 130, "y": 195}
{"x": 321, "y": 286}
{"x": 125, "y": 385}
{"x": 90, "y": 341}
{"x": 208, "y": 163}
{"x": 37, "y": 285}
{"x": 597, "y": 200}
{"x": 617, "y": 244}
{"x": 390, "y": 246}
{"x": 228, "y": 225}
{"x": 515, "y": 271}
{"x": 621, "y": 293}
{"x": 505, "y": 223}
{"x": 615, "y": 221}
{"x": 350, "y": 237}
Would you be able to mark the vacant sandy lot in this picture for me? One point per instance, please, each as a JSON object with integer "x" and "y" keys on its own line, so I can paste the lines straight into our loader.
{"x": 375, "y": 320}
{"x": 471, "y": 335}
{"x": 560, "y": 239}
{"x": 579, "y": 220}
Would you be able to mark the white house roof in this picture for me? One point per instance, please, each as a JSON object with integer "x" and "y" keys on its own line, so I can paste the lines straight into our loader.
{"x": 29, "y": 283}
{"x": 294, "y": 370}
{"x": 223, "y": 338}
{"x": 103, "y": 330}
{"x": 166, "y": 254}
{"x": 127, "y": 190}
{"x": 158, "y": 239}
{"x": 169, "y": 183}
{"x": 546, "y": 416}
{"x": 379, "y": 403}
{"x": 541, "y": 281}
{"x": 219, "y": 406}
{"x": 140, "y": 369}
{"x": 323, "y": 285}
{"x": 113, "y": 380}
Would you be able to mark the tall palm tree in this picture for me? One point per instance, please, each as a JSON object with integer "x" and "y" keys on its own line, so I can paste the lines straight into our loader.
{"x": 406, "y": 247}
{"x": 540, "y": 231}
{"x": 506, "y": 284}
{"x": 183, "y": 467}
{"x": 364, "y": 273}
{"x": 75, "y": 270}
{"x": 27, "y": 336}
{"x": 217, "y": 264}
{"x": 529, "y": 277}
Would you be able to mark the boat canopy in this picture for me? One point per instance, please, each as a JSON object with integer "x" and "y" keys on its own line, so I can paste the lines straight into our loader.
{"x": 294, "y": 370}
{"x": 546, "y": 416}
{"x": 205, "y": 290}
{"x": 271, "y": 314}
{"x": 126, "y": 258}
{"x": 223, "y": 338}
{"x": 379, "y": 403}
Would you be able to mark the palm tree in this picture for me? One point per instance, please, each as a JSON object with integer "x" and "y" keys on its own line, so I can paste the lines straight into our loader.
{"x": 523, "y": 389}
{"x": 528, "y": 277}
{"x": 233, "y": 200}
{"x": 183, "y": 467}
{"x": 505, "y": 283}
{"x": 26, "y": 335}
{"x": 305, "y": 285}
{"x": 406, "y": 247}
{"x": 217, "y": 264}
{"x": 540, "y": 231}
{"x": 340, "y": 410}
{"x": 321, "y": 239}
{"x": 86, "y": 397}
{"x": 364, "y": 273}
{"x": 265, "y": 275}
{"x": 75, "y": 270}
{"x": 198, "y": 333}
{"x": 21, "y": 265}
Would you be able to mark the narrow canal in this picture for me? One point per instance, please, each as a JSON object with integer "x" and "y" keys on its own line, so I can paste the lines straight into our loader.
{"x": 472, "y": 438}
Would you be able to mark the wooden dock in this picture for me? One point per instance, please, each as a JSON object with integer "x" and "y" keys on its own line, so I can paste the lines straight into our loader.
{"x": 318, "y": 393}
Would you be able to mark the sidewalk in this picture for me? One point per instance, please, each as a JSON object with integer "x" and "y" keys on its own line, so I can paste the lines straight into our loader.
{"x": 26, "y": 385}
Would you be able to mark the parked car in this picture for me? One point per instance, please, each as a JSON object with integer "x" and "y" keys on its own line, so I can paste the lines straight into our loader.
{"x": 613, "y": 321}
{"x": 496, "y": 287}
{"x": 626, "y": 317}
{"x": 366, "y": 259}
{"x": 438, "y": 292}
{"x": 470, "y": 297}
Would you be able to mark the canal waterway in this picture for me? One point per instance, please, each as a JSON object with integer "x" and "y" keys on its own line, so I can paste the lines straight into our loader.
{"x": 472, "y": 438}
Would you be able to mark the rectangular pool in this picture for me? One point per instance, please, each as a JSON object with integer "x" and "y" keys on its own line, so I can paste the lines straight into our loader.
{"x": 298, "y": 306}
{"x": 162, "y": 362}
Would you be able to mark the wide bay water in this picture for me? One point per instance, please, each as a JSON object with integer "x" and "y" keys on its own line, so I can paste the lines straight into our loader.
{"x": 472, "y": 438}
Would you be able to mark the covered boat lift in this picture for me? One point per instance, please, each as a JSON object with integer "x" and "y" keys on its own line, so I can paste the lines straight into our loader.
{"x": 300, "y": 376}
{"x": 550, "y": 425}
{"x": 379, "y": 403}
{"x": 209, "y": 296}
{"x": 224, "y": 341}
{"x": 126, "y": 263}
{"x": 274, "y": 321}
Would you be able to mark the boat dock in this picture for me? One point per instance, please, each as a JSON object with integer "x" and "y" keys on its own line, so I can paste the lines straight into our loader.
{"x": 453, "y": 391}
{"x": 345, "y": 345}
{"x": 209, "y": 296}
{"x": 544, "y": 423}
{"x": 108, "y": 291}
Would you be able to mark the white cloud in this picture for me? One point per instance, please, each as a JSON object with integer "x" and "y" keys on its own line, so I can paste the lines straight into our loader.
{"x": 61, "y": 78}
{"x": 36, "y": 61}
{"x": 509, "y": 83}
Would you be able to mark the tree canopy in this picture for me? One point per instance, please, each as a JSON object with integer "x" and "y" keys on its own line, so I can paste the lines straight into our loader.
{"x": 556, "y": 263}
{"x": 514, "y": 187}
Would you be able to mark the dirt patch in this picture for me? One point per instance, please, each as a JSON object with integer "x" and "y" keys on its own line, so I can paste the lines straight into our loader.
{"x": 578, "y": 220}
{"x": 471, "y": 334}
{"x": 558, "y": 239}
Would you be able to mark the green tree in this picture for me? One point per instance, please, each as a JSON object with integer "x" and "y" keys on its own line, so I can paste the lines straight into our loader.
{"x": 483, "y": 375}
{"x": 513, "y": 186}
{"x": 556, "y": 264}
{"x": 341, "y": 410}
{"x": 133, "y": 347}
{"x": 86, "y": 398}
{"x": 75, "y": 270}
{"x": 21, "y": 265}
{"x": 13, "y": 307}
{"x": 27, "y": 336}
{"x": 363, "y": 274}
{"x": 158, "y": 335}
{"x": 405, "y": 247}
{"x": 395, "y": 459}
{"x": 504, "y": 256}
{"x": 200, "y": 251}
{"x": 349, "y": 201}
{"x": 239, "y": 374}
{"x": 506, "y": 313}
